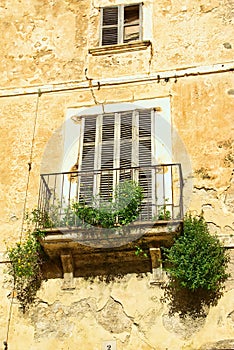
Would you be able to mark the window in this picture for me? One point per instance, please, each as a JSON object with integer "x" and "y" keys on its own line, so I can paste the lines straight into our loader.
{"x": 121, "y": 24}
{"x": 116, "y": 141}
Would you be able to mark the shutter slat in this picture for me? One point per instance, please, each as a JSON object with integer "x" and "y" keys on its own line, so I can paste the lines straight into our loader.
{"x": 108, "y": 127}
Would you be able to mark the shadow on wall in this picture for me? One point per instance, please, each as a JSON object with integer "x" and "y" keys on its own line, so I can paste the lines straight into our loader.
{"x": 185, "y": 302}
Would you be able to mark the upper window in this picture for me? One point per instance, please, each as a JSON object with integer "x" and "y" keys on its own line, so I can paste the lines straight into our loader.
{"x": 121, "y": 24}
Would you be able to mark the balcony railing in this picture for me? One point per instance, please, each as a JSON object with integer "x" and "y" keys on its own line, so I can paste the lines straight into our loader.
{"x": 162, "y": 187}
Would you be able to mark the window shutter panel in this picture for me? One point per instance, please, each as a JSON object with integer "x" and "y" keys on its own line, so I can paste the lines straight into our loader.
{"x": 121, "y": 140}
{"x": 88, "y": 154}
{"x": 144, "y": 137}
{"x": 107, "y": 155}
{"x": 125, "y": 144}
{"x": 109, "y": 26}
{"x": 145, "y": 159}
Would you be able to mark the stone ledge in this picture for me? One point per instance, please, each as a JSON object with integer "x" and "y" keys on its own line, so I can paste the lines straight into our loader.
{"x": 82, "y": 239}
{"x": 90, "y": 252}
{"x": 119, "y": 48}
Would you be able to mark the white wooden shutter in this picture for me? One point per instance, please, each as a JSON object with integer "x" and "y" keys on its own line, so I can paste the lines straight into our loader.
{"x": 117, "y": 140}
{"x": 145, "y": 159}
{"x": 125, "y": 161}
{"x": 107, "y": 155}
{"x": 86, "y": 163}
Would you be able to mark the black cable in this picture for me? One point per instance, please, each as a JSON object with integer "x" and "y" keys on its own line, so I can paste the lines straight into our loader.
{"x": 5, "y": 343}
{"x": 30, "y": 163}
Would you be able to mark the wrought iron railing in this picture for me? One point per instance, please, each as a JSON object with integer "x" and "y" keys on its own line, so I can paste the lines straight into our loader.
{"x": 162, "y": 187}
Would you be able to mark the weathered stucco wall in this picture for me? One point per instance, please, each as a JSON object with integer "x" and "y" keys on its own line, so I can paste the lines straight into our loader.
{"x": 201, "y": 122}
{"x": 47, "y": 42}
{"x": 128, "y": 311}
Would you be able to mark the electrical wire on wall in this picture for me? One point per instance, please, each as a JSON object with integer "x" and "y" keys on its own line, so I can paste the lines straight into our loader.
{"x": 5, "y": 343}
{"x": 30, "y": 163}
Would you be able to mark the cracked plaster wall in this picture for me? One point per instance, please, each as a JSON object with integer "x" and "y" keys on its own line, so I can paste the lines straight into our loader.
{"x": 129, "y": 311}
{"x": 47, "y": 42}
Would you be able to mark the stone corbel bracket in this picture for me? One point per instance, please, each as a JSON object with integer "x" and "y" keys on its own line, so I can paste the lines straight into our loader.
{"x": 68, "y": 271}
{"x": 157, "y": 271}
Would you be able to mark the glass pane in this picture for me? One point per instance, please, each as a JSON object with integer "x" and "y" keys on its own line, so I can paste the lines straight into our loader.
{"x": 131, "y": 14}
{"x": 131, "y": 33}
{"x": 131, "y": 23}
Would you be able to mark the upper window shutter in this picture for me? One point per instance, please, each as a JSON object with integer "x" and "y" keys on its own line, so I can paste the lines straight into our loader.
{"x": 109, "y": 26}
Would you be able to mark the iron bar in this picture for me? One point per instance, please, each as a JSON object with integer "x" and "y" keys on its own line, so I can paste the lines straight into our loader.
{"x": 163, "y": 181}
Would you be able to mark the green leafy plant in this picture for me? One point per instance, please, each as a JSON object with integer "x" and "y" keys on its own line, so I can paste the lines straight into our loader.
{"x": 128, "y": 199}
{"x": 39, "y": 218}
{"x": 197, "y": 260}
{"x": 58, "y": 215}
{"x": 124, "y": 207}
{"x": 26, "y": 258}
{"x": 25, "y": 268}
{"x": 140, "y": 252}
{"x": 164, "y": 213}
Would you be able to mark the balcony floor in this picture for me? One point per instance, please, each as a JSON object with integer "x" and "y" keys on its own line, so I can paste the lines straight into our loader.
{"x": 90, "y": 252}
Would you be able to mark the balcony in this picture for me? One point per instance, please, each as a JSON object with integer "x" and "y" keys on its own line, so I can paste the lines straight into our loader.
{"x": 73, "y": 241}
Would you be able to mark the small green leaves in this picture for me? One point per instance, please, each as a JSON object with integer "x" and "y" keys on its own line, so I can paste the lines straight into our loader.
{"x": 140, "y": 252}
{"x": 197, "y": 259}
{"x": 25, "y": 268}
{"x": 123, "y": 209}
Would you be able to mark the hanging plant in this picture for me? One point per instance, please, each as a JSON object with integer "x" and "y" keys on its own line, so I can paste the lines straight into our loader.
{"x": 197, "y": 260}
{"x": 26, "y": 258}
{"x": 25, "y": 268}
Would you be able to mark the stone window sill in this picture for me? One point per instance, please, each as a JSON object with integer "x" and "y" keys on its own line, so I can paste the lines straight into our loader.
{"x": 119, "y": 48}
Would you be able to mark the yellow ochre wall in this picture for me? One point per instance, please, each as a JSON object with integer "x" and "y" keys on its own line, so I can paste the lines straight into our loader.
{"x": 46, "y": 69}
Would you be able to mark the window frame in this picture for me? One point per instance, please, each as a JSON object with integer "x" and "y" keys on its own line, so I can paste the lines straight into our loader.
{"x": 120, "y": 24}
{"x": 136, "y": 155}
